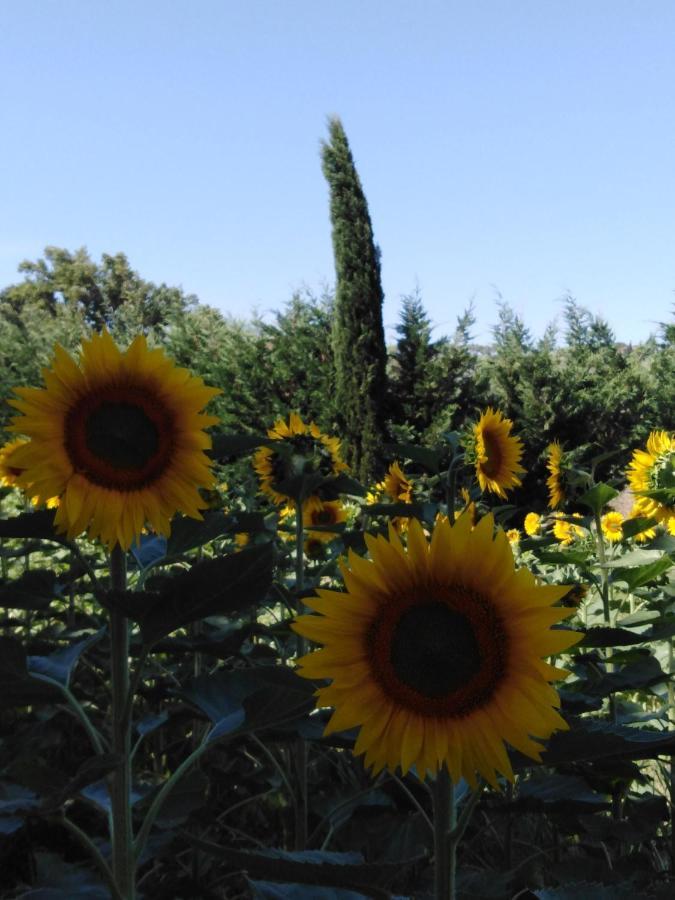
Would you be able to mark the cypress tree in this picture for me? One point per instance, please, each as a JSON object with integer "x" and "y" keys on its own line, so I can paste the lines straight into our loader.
{"x": 358, "y": 334}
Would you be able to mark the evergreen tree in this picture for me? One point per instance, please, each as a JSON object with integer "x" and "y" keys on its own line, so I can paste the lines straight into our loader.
{"x": 413, "y": 375}
{"x": 358, "y": 333}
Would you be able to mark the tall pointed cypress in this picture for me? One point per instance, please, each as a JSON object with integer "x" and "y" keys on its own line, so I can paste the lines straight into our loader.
{"x": 358, "y": 334}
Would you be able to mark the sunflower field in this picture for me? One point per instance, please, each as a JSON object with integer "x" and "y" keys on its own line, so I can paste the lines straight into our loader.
{"x": 230, "y": 669}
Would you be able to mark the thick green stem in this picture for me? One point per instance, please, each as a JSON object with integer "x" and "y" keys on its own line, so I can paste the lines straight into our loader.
{"x": 606, "y": 591}
{"x": 451, "y": 490}
{"x": 124, "y": 868}
{"x": 300, "y": 749}
{"x": 445, "y": 847}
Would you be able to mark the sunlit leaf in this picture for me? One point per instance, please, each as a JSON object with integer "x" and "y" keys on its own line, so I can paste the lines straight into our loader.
{"x": 60, "y": 665}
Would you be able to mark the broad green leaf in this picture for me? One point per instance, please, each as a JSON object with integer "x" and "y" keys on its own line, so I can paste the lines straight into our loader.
{"x": 392, "y": 510}
{"x": 271, "y": 890}
{"x": 598, "y": 497}
{"x": 637, "y": 557}
{"x": 17, "y": 688}
{"x": 37, "y": 524}
{"x": 310, "y": 867}
{"x": 249, "y": 699}
{"x": 230, "y": 446}
{"x": 636, "y": 576}
{"x": 641, "y": 617}
{"x": 151, "y": 550}
{"x": 604, "y": 636}
{"x": 332, "y": 488}
{"x": 187, "y": 533}
{"x": 631, "y": 527}
{"x": 636, "y": 675}
{"x": 569, "y": 791}
{"x": 584, "y": 890}
{"x": 430, "y": 458}
{"x": 151, "y": 723}
{"x": 91, "y": 770}
{"x": 565, "y": 557}
{"x": 34, "y": 589}
{"x": 186, "y": 797}
{"x": 221, "y": 586}
{"x": 59, "y": 665}
{"x": 597, "y": 740}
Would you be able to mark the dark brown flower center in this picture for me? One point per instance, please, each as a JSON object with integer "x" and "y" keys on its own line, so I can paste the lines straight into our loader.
{"x": 493, "y": 451}
{"x": 434, "y": 649}
{"x": 122, "y": 435}
{"x": 121, "y": 438}
{"x": 441, "y": 654}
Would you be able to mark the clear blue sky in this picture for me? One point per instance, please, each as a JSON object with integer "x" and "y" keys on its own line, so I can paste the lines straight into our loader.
{"x": 525, "y": 147}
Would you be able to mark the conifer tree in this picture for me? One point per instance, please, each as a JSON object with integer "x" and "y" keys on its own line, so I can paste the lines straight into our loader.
{"x": 358, "y": 334}
{"x": 413, "y": 381}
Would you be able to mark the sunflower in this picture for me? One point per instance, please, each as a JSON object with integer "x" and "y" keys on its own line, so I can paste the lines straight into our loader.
{"x": 566, "y": 531}
{"x": 469, "y": 506}
{"x": 305, "y": 450}
{"x": 611, "y": 524}
{"x": 397, "y": 484}
{"x": 496, "y": 453}
{"x": 653, "y": 470}
{"x": 435, "y": 652}
{"x": 331, "y": 512}
{"x": 514, "y": 536}
{"x": 241, "y": 539}
{"x": 556, "y": 492}
{"x": 9, "y": 472}
{"x": 119, "y": 438}
{"x": 575, "y": 595}
{"x": 532, "y": 524}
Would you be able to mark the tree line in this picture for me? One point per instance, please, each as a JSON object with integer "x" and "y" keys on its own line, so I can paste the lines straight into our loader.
{"x": 325, "y": 356}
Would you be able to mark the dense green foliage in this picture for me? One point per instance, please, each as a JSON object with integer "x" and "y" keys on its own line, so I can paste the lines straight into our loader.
{"x": 359, "y": 346}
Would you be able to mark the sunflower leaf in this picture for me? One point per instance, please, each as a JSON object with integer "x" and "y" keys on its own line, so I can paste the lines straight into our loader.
{"x": 59, "y": 665}
{"x": 187, "y": 533}
{"x": 598, "y": 497}
{"x": 430, "y": 458}
{"x": 17, "y": 688}
{"x": 631, "y": 527}
{"x": 220, "y": 586}
{"x": 34, "y": 589}
{"x": 246, "y": 700}
{"x": 37, "y": 524}
{"x": 317, "y": 868}
{"x": 636, "y": 576}
{"x": 229, "y": 446}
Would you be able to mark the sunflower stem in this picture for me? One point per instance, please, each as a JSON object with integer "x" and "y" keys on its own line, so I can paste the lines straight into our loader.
{"x": 451, "y": 490}
{"x": 120, "y": 787}
{"x": 606, "y": 591}
{"x": 445, "y": 840}
{"x": 300, "y": 748}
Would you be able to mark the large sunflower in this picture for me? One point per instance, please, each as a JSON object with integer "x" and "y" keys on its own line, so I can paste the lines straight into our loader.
{"x": 556, "y": 491}
{"x": 119, "y": 438}
{"x": 436, "y": 652}
{"x": 306, "y": 450}
{"x": 653, "y": 470}
{"x": 496, "y": 453}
